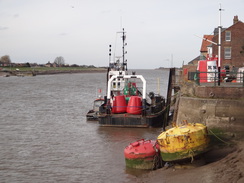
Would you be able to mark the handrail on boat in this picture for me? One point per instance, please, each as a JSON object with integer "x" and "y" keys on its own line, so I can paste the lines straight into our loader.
{"x": 127, "y": 77}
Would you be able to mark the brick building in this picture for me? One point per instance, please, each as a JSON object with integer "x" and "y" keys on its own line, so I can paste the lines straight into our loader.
{"x": 206, "y": 50}
{"x": 232, "y": 44}
{"x": 232, "y": 48}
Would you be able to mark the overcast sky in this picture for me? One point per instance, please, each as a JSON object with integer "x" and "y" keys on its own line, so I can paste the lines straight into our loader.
{"x": 158, "y": 31}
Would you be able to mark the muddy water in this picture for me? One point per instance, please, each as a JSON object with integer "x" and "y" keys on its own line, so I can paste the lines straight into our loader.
{"x": 44, "y": 135}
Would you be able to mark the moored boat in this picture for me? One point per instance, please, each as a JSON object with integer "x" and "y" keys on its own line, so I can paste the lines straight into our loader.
{"x": 127, "y": 103}
{"x": 92, "y": 114}
{"x": 182, "y": 142}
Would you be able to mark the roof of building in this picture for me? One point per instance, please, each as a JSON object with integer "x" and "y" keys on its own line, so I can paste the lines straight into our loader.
{"x": 216, "y": 31}
{"x": 200, "y": 57}
{"x": 205, "y": 43}
{"x": 235, "y": 22}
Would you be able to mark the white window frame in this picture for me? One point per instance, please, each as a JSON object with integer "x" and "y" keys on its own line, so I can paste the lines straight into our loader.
{"x": 227, "y": 36}
{"x": 210, "y": 51}
{"x": 227, "y": 52}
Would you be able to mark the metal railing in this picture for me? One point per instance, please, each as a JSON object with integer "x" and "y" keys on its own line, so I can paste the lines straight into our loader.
{"x": 212, "y": 78}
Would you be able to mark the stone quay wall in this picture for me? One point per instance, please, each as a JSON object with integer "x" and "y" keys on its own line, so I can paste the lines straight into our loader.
{"x": 221, "y": 107}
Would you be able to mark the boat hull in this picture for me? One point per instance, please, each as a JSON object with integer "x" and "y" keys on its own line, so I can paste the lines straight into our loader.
{"x": 130, "y": 120}
{"x": 183, "y": 142}
{"x": 92, "y": 116}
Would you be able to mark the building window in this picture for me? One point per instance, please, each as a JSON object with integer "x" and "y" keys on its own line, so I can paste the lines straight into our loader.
{"x": 228, "y": 53}
{"x": 210, "y": 51}
{"x": 227, "y": 36}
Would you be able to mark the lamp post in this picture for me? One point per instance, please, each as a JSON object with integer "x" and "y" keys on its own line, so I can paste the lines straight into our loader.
{"x": 219, "y": 45}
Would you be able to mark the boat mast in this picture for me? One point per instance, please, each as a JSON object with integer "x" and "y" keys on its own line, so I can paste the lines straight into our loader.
{"x": 109, "y": 57}
{"x": 123, "y": 50}
{"x": 117, "y": 65}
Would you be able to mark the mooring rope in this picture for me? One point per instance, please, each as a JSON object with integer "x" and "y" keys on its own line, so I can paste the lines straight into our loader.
{"x": 218, "y": 137}
{"x": 191, "y": 153}
{"x": 157, "y": 161}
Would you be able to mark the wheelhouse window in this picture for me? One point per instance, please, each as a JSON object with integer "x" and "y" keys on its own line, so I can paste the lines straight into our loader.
{"x": 227, "y": 52}
{"x": 227, "y": 36}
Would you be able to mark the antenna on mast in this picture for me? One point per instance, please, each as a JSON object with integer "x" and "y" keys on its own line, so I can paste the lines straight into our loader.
{"x": 123, "y": 39}
{"x": 123, "y": 50}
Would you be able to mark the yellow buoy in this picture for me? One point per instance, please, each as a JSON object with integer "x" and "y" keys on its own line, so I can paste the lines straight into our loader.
{"x": 184, "y": 141}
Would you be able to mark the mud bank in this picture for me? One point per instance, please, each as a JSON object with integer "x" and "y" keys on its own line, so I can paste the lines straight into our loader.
{"x": 221, "y": 164}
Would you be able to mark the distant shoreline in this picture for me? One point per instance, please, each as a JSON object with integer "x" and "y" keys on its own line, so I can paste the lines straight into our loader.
{"x": 49, "y": 71}
{"x": 69, "y": 71}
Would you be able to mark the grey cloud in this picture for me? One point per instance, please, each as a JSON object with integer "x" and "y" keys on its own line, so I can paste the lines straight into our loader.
{"x": 63, "y": 34}
{"x": 3, "y": 28}
{"x": 16, "y": 15}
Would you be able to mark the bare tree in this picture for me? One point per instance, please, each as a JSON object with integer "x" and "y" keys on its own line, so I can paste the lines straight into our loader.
{"x": 6, "y": 59}
{"x": 59, "y": 60}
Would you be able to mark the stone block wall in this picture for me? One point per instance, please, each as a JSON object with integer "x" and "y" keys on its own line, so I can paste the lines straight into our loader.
{"x": 222, "y": 113}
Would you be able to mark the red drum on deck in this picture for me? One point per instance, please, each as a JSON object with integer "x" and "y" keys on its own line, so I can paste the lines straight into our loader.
{"x": 119, "y": 104}
{"x": 134, "y": 105}
{"x": 141, "y": 154}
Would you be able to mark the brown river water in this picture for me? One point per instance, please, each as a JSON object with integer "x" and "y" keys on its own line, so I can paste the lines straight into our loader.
{"x": 44, "y": 135}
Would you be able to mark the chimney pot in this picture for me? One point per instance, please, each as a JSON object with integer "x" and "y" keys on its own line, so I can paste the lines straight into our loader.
{"x": 235, "y": 20}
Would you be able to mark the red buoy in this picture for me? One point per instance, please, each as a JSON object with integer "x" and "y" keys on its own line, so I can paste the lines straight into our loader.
{"x": 134, "y": 105}
{"x": 119, "y": 104}
{"x": 141, "y": 154}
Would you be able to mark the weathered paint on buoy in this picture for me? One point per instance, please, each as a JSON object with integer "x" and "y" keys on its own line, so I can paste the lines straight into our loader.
{"x": 141, "y": 154}
{"x": 183, "y": 142}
